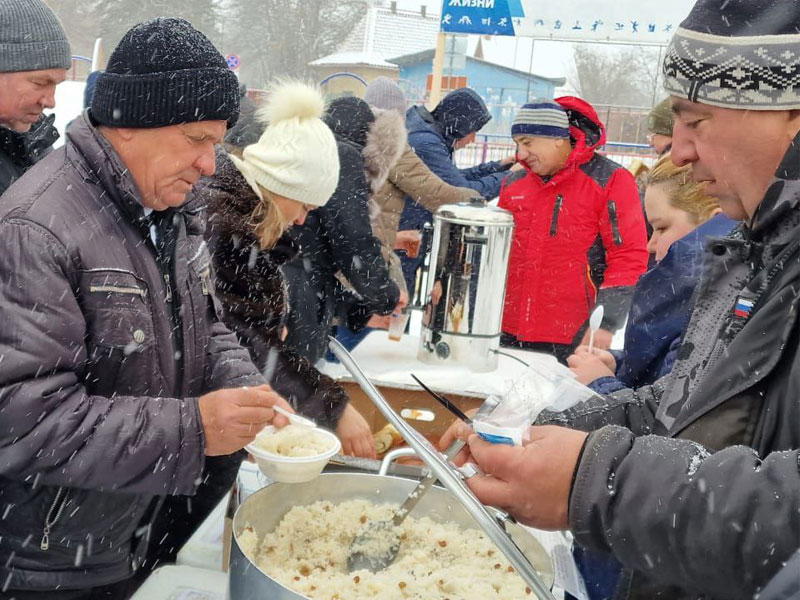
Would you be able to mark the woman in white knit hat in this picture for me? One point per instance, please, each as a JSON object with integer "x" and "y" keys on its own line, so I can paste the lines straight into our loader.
{"x": 254, "y": 197}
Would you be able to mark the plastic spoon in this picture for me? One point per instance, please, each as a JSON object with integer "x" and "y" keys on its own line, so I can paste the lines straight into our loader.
{"x": 293, "y": 418}
{"x": 594, "y": 324}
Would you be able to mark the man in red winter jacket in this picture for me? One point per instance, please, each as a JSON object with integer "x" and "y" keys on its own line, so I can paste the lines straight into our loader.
{"x": 568, "y": 203}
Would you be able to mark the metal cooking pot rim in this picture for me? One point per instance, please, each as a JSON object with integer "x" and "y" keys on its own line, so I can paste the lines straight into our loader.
{"x": 378, "y": 479}
{"x": 479, "y": 214}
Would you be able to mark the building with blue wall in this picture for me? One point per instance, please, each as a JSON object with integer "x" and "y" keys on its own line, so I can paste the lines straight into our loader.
{"x": 504, "y": 89}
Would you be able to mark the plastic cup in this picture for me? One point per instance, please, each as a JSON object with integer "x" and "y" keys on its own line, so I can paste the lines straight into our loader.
{"x": 397, "y": 325}
{"x": 414, "y": 244}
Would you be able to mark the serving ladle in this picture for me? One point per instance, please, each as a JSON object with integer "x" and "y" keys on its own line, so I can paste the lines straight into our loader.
{"x": 376, "y": 546}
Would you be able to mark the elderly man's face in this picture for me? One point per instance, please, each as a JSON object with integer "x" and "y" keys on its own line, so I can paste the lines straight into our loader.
{"x": 167, "y": 162}
{"x": 736, "y": 151}
{"x": 25, "y": 94}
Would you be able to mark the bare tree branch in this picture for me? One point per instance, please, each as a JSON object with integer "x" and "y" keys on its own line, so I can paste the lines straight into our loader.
{"x": 622, "y": 77}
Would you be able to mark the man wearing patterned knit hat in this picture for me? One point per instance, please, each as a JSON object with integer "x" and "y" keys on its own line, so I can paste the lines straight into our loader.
{"x": 34, "y": 58}
{"x": 119, "y": 384}
{"x": 693, "y": 483}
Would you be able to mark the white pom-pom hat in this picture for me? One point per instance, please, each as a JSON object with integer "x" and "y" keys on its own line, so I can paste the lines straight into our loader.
{"x": 296, "y": 156}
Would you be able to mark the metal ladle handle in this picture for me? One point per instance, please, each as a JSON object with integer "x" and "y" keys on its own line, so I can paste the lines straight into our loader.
{"x": 449, "y": 477}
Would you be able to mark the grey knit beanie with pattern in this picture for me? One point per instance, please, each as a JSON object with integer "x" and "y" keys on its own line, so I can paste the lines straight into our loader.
{"x": 740, "y": 54}
{"x": 31, "y": 37}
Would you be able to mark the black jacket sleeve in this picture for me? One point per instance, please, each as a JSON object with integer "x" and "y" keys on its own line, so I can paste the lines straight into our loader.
{"x": 719, "y": 523}
{"x": 294, "y": 377}
{"x": 632, "y": 409}
{"x": 254, "y": 309}
{"x": 355, "y": 251}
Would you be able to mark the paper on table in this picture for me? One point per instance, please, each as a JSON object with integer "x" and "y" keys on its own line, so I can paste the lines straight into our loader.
{"x": 567, "y": 576}
{"x": 186, "y": 593}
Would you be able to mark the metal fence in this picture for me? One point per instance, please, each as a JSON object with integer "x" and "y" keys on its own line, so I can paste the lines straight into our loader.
{"x": 497, "y": 147}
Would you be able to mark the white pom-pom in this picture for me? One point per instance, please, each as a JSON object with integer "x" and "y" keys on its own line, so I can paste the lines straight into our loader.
{"x": 292, "y": 99}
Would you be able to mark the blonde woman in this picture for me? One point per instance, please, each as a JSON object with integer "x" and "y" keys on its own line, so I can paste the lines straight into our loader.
{"x": 683, "y": 217}
{"x": 256, "y": 194}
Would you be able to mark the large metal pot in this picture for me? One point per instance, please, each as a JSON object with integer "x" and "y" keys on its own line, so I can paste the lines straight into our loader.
{"x": 264, "y": 510}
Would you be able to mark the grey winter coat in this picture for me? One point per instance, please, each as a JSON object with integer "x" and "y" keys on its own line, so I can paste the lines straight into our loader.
{"x": 98, "y": 398}
{"x": 677, "y": 496}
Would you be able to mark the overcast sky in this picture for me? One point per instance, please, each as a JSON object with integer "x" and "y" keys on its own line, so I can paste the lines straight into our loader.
{"x": 551, "y": 59}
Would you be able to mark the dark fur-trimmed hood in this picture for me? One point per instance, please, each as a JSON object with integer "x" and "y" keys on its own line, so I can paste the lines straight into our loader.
{"x": 229, "y": 200}
{"x": 229, "y": 203}
{"x": 379, "y": 135}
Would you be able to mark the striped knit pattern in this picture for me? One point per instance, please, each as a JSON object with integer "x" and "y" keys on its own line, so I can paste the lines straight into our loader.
{"x": 738, "y": 54}
{"x": 31, "y": 37}
{"x": 541, "y": 118}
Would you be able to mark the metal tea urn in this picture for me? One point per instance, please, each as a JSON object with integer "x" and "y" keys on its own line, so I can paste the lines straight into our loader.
{"x": 465, "y": 288}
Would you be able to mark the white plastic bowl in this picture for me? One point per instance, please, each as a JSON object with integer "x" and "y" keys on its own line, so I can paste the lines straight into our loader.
{"x": 292, "y": 469}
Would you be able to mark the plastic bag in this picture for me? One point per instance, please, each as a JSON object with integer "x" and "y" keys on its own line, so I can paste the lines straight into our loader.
{"x": 553, "y": 387}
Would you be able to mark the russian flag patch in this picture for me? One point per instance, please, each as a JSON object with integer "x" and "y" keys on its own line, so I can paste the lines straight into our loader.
{"x": 743, "y": 307}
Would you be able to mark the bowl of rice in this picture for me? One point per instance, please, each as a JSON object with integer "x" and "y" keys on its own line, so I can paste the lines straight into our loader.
{"x": 293, "y": 454}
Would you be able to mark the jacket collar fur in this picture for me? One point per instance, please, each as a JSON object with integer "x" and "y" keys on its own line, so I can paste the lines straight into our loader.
{"x": 229, "y": 202}
{"x": 24, "y": 149}
{"x": 386, "y": 141}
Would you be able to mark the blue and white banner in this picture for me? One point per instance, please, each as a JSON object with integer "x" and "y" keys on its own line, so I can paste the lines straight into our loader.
{"x": 620, "y": 21}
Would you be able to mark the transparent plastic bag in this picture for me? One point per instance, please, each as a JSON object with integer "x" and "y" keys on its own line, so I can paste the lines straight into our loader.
{"x": 553, "y": 387}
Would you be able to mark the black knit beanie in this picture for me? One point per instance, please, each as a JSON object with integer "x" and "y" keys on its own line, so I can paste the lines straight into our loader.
{"x": 165, "y": 72}
{"x": 740, "y": 54}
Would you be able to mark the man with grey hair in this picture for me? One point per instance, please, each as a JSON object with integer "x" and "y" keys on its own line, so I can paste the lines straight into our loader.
{"x": 119, "y": 384}
{"x": 34, "y": 58}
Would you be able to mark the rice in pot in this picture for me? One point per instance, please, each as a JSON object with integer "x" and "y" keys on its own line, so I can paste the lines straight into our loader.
{"x": 308, "y": 552}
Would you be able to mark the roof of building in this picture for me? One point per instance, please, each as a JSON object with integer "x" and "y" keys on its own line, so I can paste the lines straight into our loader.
{"x": 427, "y": 55}
{"x": 345, "y": 59}
{"x": 383, "y": 33}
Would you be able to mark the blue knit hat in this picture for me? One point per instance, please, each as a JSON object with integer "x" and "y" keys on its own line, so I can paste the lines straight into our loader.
{"x": 541, "y": 118}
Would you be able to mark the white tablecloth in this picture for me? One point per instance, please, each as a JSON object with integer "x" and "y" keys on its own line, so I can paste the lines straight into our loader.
{"x": 184, "y": 583}
{"x": 390, "y": 364}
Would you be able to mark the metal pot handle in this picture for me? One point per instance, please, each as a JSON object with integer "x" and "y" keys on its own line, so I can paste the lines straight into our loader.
{"x": 393, "y": 455}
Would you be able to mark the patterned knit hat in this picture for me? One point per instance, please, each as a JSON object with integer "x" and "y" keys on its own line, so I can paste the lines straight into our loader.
{"x": 740, "y": 54}
{"x": 165, "y": 72}
{"x": 541, "y": 118}
{"x": 296, "y": 156}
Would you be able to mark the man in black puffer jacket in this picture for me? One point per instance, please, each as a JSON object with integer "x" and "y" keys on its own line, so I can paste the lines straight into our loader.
{"x": 341, "y": 275}
{"x": 34, "y": 58}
